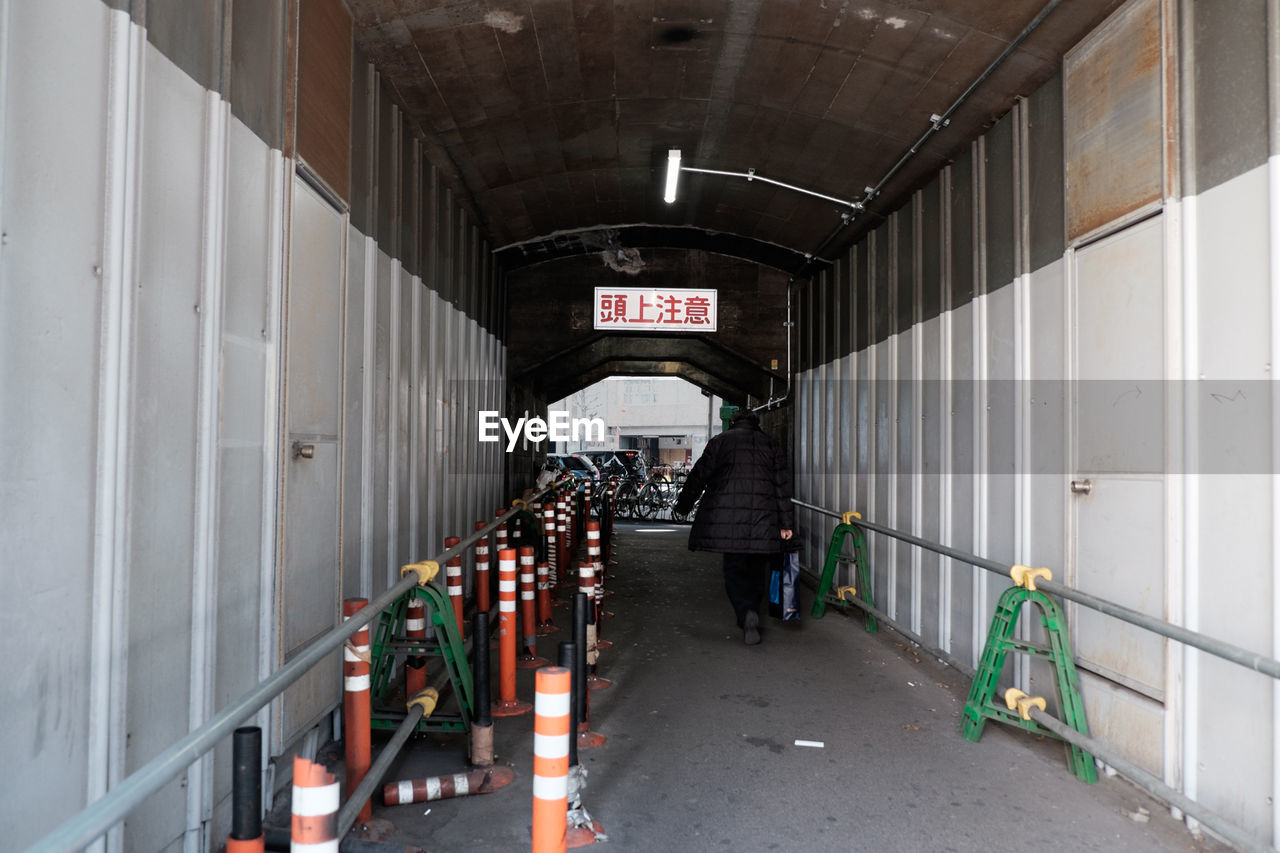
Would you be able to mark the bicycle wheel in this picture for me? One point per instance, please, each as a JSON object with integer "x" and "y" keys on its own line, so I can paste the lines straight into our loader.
{"x": 644, "y": 503}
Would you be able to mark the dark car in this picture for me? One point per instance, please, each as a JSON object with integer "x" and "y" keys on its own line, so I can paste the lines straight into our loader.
{"x": 621, "y": 463}
{"x": 576, "y": 464}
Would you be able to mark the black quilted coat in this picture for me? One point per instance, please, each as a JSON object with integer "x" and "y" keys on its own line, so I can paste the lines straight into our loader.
{"x": 746, "y": 494}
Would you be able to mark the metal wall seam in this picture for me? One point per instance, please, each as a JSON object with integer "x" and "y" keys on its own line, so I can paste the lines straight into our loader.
{"x": 1022, "y": 320}
{"x": 108, "y": 662}
{"x": 979, "y": 355}
{"x": 1176, "y": 89}
{"x": 272, "y": 427}
{"x": 415, "y": 414}
{"x": 393, "y": 424}
{"x": 1273, "y": 204}
{"x": 402, "y": 547}
{"x": 892, "y": 408}
{"x": 946, "y": 567}
{"x": 1190, "y": 330}
{"x": 367, "y": 414}
{"x": 871, "y": 423}
{"x": 205, "y": 524}
{"x": 849, "y": 398}
{"x": 917, "y": 409}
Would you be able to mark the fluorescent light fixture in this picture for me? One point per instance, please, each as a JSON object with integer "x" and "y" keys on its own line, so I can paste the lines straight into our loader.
{"x": 673, "y": 173}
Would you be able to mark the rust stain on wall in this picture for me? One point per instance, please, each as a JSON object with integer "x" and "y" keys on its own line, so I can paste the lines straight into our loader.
{"x": 1113, "y": 120}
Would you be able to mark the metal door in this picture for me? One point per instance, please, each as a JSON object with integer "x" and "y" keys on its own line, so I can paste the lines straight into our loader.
{"x": 309, "y": 578}
{"x": 1117, "y": 502}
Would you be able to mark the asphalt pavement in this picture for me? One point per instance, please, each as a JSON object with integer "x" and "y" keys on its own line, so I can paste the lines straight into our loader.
{"x": 706, "y": 742}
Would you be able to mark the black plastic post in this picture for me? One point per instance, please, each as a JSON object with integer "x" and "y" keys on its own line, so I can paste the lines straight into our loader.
{"x": 569, "y": 658}
{"x": 480, "y": 667}
{"x": 580, "y": 657}
{"x": 246, "y": 784}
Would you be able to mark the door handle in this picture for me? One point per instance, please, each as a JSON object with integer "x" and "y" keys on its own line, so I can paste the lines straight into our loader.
{"x": 1081, "y": 487}
{"x": 303, "y": 451}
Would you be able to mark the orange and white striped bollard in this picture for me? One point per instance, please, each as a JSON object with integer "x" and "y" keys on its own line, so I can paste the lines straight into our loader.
{"x": 415, "y": 628}
{"x": 500, "y": 535}
{"x": 551, "y": 759}
{"x": 507, "y": 705}
{"x": 587, "y": 586}
{"x": 483, "y": 780}
{"x": 545, "y": 624}
{"x": 549, "y": 531}
{"x": 453, "y": 581}
{"x": 356, "y": 705}
{"x": 482, "y": 570}
{"x": 593, "y": 557}
{"x": 562, "y": 539}
{"x": 528, "y": 617}
{"x": 314, "y": 823}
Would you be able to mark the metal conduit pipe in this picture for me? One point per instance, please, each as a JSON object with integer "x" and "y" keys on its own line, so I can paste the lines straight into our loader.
{"x": 116, "y": 804}
{"x": 1223, "y": 827}
{"x": 1219, "y": 648}
{"x": 373, "y": 779}
{"x": 1233, "y": 834}
{"x": 937, "y": 122}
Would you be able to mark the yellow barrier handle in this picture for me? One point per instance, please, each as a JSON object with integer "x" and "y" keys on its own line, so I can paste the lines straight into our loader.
{"x": 1015, "y": 698}
{"x": 840, "y": 591}
{"x": 426, "y": 698}
{"x": 849, "y": 516}
{"x": 1025, "y": 576}
{"x": 427, "y": 571}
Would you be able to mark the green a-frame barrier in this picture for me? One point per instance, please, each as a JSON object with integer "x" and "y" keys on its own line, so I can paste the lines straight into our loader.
{"x": 443, "y": 641}
{"x": 862, "y": 568}
{"x": 982, "y": 705}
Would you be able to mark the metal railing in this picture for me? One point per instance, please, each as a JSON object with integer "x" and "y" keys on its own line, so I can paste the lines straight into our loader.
{"x": 104, "y": 813}
{"x": 1153, "y": 785}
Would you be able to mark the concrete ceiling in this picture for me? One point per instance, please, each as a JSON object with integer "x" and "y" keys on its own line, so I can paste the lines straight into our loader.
{"x": 553, "y": 117}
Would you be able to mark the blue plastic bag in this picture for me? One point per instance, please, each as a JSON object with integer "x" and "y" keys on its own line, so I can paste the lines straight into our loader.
{"x": 782, "y": 589}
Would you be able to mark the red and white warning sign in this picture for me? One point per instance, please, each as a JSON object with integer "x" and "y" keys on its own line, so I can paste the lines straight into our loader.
{"x": 643, "y": 308}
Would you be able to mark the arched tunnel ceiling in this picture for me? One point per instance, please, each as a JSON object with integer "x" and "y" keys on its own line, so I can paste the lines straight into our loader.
{"x": 554, "y": 117}
{"x": 701, "y": 360}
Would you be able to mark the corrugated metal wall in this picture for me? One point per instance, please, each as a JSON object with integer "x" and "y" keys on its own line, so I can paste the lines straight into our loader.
{"x": 1053, "y": 307}
{"x": 179, "y": 310}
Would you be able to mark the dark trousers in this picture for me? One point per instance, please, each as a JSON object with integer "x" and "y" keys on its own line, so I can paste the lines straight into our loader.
{"x": 746, "y": 577}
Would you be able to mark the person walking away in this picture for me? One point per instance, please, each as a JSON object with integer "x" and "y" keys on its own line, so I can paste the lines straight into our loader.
{"x": 745, "y": 512}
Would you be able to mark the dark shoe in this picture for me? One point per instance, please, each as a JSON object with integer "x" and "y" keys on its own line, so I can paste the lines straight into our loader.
{"x": 751, "y": 628}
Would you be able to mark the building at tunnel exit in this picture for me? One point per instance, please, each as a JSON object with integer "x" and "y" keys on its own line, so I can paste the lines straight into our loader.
{"x": 1004, "y": 276}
